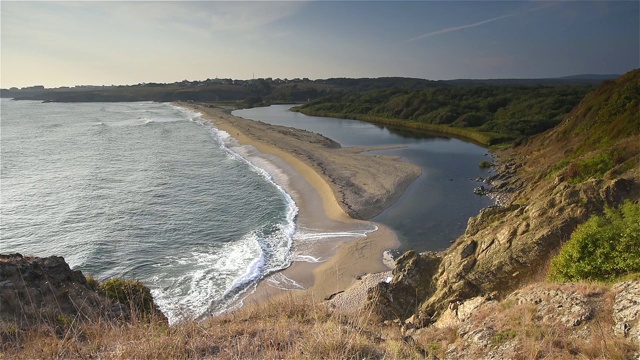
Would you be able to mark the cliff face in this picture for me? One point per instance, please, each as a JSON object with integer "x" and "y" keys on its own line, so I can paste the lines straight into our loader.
{"x": 549, "y": 185}
{"x": 37, "y": 291}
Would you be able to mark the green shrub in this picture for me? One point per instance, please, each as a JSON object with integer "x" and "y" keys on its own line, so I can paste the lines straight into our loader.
{"x": 597, "y": 165}
{"x": 603, "y": 249}
{"x": 92, "y": 282}
{"x": 502, "y": 337}
{"x": 485, "y": 164}
{"x": 131, "y": 293}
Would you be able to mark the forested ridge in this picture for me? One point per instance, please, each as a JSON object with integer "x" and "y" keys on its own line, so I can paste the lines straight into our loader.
{"x": 488, "y": 111}
{"x": 501, "y": 112}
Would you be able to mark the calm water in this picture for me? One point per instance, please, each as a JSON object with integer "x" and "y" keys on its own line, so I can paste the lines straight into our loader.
{"x": 142, "y": 191}
{"x": 435, "y": 208}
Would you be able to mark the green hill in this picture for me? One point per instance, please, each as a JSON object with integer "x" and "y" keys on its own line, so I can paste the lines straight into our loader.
{"x": 599, "y": 138}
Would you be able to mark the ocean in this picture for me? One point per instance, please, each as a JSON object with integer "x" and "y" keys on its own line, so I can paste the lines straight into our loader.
{"x": 144, "y": 191}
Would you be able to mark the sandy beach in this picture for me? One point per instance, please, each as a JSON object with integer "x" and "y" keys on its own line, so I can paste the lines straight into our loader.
{"x": 333, "y": 188}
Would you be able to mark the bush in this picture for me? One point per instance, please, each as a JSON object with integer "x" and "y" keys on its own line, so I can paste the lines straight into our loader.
{"x": 133, "y": 294}
{"x": 594, "y": 167}
{"x": 603, "y": 249}
{"x": 485, "y": 164}
{"x": 92, "y": 282}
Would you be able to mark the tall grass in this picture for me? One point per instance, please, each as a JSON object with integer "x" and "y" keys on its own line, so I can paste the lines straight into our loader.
{"x": 299, "y": 328}
{"x": 288, "y": 328}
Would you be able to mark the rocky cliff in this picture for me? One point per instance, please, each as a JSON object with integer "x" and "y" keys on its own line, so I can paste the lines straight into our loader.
{"x": 547, "y": 185}
{"x": 45, "y": 291}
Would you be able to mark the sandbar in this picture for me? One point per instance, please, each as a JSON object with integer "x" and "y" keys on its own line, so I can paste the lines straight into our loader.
{"x": 335, "y": 189}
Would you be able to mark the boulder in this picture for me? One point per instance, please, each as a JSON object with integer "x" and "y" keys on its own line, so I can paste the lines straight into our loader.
{"x": 412, "y": 283}
{"x": 626, "y": 310}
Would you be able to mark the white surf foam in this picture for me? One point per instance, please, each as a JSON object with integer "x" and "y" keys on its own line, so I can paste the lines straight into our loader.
{"x": 283, "y": 282}
{"x": 276, "y": 248}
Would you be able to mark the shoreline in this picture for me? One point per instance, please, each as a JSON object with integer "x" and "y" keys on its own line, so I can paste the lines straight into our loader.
{"x": 342, "y": 258}
{"x": 484, "y": 139}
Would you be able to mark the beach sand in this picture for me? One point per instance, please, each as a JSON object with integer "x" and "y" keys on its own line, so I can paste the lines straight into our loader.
{"x": 331, "y": 186}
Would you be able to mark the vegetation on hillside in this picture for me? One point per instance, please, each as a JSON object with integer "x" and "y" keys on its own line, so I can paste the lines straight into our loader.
{"x": 131, "y": 293}
{"x": 604, "y": 248}
{"x": 501, "y": 112}
{"x": 609, "y": 113}
{"x": 600, "y": 136}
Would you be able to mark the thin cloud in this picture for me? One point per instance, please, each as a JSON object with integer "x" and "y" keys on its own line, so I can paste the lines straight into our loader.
{"x": 456, "y": 28}
{"x": 476, "y": 24}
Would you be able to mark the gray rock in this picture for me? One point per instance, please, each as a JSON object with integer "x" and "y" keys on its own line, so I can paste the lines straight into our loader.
{"x": 626, "y": 310}
{"x": 412, "y": 283}
{"x": 560, "y": 303}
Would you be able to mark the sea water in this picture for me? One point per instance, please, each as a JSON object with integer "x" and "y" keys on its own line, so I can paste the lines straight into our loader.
{"x": 144, "y": 191}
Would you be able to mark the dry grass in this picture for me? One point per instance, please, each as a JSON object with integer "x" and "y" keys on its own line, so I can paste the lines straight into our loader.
{"x": 284, "y": 329}
{"x": 299, "y": 328}
{"x": 519, "y": 329}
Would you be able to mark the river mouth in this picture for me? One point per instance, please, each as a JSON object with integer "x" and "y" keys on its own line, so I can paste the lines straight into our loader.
{"x": 435, "y": 208}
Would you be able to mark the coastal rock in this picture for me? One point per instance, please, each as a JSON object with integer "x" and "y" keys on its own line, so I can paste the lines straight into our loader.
{"x": 503, "y": 247}
{"x": 412, "y": 283}
{"x": 460, "y": 312}
{"x": 353, "y": 298}
{"x": 557, "y": 303}
{"x": 626, "y": 310}
{"x": 480, "y": 190}
{"x": 541, "y": 320}
{"x": 36, "y": 290}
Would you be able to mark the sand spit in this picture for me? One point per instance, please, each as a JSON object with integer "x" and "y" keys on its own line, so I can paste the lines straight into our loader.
{"x": 331, "y": 185}
{"x": 364, "y": 185}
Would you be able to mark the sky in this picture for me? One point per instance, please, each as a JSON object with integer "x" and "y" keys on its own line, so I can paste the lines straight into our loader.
{"x": 118, "y": 42}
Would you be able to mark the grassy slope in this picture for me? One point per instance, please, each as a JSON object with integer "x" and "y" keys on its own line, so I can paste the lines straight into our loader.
{"x": 599, "y": 138}
{"x": 296, "y": 328}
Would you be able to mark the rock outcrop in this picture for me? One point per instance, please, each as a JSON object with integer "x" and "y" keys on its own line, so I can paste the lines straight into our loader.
{"x": 411, "y": 284}
{"x": 626, "y": 310}
{"x": 504, "y": 248}
{"x": 36, "y": 290}
{"x": 544, "y": 321}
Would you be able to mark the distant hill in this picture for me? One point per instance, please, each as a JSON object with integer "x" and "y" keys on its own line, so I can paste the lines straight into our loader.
{"x": 592, "y": 77}
{"x": 486, "y": 113}
{"x": 265, "y": 91}
{"x": 574, "y": 80}
{"x": 609, "y": 113}
{"x": 599, "y": 138}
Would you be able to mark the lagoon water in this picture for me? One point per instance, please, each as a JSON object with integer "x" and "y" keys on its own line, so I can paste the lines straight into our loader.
{"x": 434, "y": 210}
